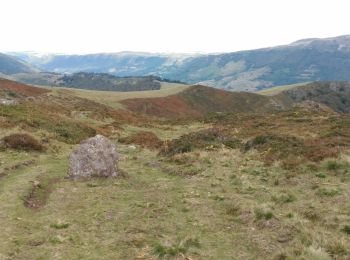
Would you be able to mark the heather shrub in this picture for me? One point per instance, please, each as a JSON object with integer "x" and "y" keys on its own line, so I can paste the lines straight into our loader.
{"x": 22, "y": 142}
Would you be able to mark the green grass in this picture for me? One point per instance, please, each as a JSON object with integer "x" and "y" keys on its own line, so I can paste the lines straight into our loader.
{"x": 278, "y": 89}
{"x": 328, "y": 192}
{"x": 333, "y": 165}
{"x": 112, "y": 98}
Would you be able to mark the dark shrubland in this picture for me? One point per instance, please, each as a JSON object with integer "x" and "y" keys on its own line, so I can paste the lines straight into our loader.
{"x": 22, "y": 142}
{"x": 204, "y": 139}
{"x": 144, "y": 139}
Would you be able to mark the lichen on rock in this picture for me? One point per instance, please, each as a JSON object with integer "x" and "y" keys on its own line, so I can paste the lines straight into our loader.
{"x": 94, "y": 157}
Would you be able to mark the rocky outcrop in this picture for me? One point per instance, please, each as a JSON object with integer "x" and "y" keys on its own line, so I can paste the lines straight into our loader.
{"x": 8, "y": 102}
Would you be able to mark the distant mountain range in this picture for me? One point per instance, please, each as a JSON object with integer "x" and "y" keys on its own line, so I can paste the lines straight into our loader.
{"x": 302, "y": 61}
{"x": 10, "y": 65}
{"x": 14, "y": 69}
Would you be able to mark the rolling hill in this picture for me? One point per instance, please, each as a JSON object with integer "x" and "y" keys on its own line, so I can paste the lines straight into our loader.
{"x": 17, "y": 90}
{"x": 197, "y": 101}
{"x": 11, "y": 65}
{"x": 178, "y": 101}
{"x": 302, "y": 61}
{"x": 335, "y": 95}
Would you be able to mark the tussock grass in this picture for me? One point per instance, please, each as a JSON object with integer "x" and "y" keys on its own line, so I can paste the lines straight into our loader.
{"x": 263, "y": 214}
{"x": 181, "y": 248}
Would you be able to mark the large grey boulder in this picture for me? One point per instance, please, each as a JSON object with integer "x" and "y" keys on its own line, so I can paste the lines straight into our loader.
{"x": 94, "y": 157}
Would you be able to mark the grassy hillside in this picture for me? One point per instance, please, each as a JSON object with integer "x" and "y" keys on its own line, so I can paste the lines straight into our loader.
{"x": 13, "y": 89}
{"x": 276, "y": 90}
{"x": 232, "y": 185}
{"x": 335, "y": 95}
{"x": 113, "y": 98}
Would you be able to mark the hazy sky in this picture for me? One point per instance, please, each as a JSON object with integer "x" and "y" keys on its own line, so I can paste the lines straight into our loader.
{"x": 90, "y": 26}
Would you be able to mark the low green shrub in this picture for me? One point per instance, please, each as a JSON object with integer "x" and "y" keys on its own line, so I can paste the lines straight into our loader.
{"x": 324, "y": 192}
{"x": 333, "y": 165}
{"x": 60, "y": 225}
{"x": 263, "y": 214}
{"x": 346, "y": 229}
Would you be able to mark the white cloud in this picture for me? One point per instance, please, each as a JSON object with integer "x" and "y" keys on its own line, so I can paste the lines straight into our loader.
{"x": 85, "y": 26}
